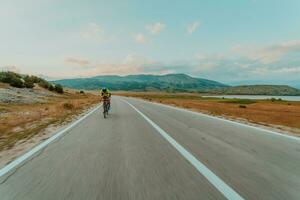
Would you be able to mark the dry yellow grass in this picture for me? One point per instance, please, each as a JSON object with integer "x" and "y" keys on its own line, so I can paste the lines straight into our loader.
{"x": 3, "y": 85}
{"x": 19, "y": 122}
{"x": 280, "y": 114}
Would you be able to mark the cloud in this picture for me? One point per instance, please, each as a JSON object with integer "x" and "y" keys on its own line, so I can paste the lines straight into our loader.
{"x": 279, "y": 62}
{"x": 288, "y": 70}
{"x": 140, "y": 38}
{"x": 134, "y": 59}
{"x": 155, "y": 28}
{"x": 269, "y": 54}
{"x": 77, "y": 61}
{"x": 192, "y": 27}
{"x": 207, "y": 62}
{"x": 281, "y": 73}
{"x": 228, "y": 67}
{"x": 131, "y": 64}
{"x": 205, "y": 57}
{"x": 93, "y": 32}
{"x": 111, "y": 69}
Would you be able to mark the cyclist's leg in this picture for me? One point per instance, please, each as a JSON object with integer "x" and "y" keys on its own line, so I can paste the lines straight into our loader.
{"x": 104, "y": 106}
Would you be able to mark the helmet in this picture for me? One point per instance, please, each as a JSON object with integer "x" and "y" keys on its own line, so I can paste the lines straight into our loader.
{"x": 104, "y": 89}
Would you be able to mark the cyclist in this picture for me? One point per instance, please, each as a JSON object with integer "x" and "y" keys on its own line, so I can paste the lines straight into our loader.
{"x": 105, "y": 95}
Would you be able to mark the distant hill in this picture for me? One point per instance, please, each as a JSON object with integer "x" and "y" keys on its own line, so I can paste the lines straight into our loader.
{"x": 279, "y": 90}
{"x": 169, "y": 82}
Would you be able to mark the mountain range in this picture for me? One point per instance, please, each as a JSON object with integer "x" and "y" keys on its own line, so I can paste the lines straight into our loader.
{"x": 168, "y": 82}
{"x": 173, "y": 83}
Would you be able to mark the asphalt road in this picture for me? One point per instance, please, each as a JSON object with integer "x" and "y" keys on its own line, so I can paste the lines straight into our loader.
{"x": 127, "y": 157}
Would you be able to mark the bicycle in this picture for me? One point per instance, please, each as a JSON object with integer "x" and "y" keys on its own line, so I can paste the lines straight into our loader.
{"x": 106, "y": 105}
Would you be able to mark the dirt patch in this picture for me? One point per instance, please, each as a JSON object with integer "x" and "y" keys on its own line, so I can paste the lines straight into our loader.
{"x": 279, "y": 115}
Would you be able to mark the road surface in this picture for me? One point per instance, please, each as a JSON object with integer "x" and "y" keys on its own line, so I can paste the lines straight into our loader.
{"x": 126, "y": 156}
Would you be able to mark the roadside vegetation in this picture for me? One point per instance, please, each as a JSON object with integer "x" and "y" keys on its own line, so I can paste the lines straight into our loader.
{"x": 276, "y": 113}
{"x": 27, "y": 81}
{"x": 30, "y": 106}
{"x": 276, "y": 90}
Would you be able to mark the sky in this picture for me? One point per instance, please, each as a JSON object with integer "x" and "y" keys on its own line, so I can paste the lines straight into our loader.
{"x": 231, "y": 41}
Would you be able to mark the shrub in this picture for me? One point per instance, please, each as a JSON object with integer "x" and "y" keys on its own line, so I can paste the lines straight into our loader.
{"x": 9, "y": 77}
{"x": 68, "y": 106}
{"x": 239, "y": 101}
{"x": 16, "y": 82}
{"x": 20, "y": 81}
{"x": 36, "y": 79}
{"x": 59, "y": 88}
{"x": 243, "y": 106}
{"x": 81, "y": 92}
{"x": 28, "y": 83}
{"x": 44, "y": 84}
{"x": 274, "y": 99}
{"x": 51, "y": 87}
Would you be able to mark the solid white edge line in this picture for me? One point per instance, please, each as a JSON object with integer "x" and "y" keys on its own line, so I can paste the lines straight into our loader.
{"x": 265, "y": 131}
{"x": 218, "y": 183}
{"x": 42, "y": 145}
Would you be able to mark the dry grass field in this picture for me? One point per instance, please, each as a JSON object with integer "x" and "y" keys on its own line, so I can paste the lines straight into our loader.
{"x": 21, "y": 121}
{"x": 284, "y": 115}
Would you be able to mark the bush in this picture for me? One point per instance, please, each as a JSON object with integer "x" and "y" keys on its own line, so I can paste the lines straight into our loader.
{"x": 59, "y": 88}
{"x": 36, "y": 79}
{"x": 81, "y": 92}
{"x": 239, "y": 101}
{"x": 68, "y": 106}
{"x": 28, "y": 83}
{"x": 44, "y": 84}
{"x": 9, "y": 77}
{"x": 274, "y": 99}
{"x": 51, "y": 87}
{"x": 243, "y": 106}
{"x": 21, "y": 81}
{"x": 16, "y": 82}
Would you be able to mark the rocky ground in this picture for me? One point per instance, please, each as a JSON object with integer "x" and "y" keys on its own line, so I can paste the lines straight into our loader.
{"x": 25, "y": 95}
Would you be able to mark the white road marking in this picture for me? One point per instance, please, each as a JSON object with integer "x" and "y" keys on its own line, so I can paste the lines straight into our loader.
{"x": 41, "y": 146}
{"x": 265, "y": 131}
{"x": 219, "y": 184}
